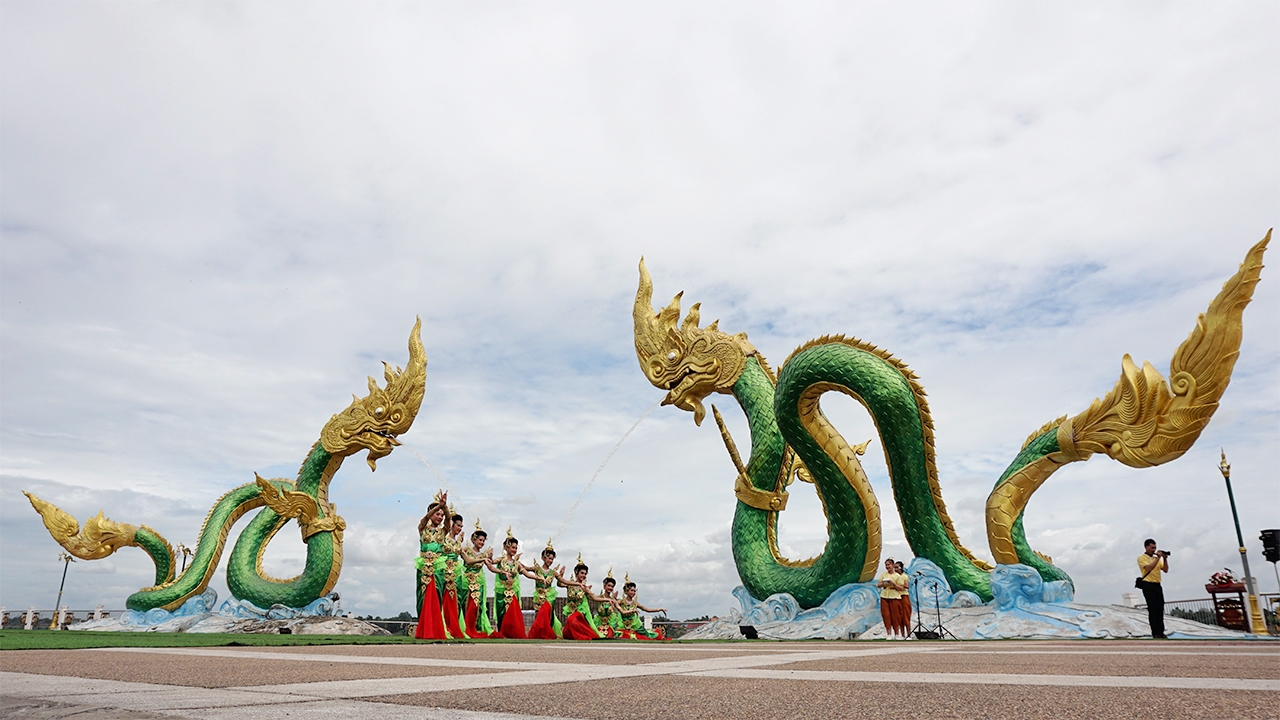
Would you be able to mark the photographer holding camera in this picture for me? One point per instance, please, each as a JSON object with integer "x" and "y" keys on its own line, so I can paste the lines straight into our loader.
{"x": 1151, "y": 564}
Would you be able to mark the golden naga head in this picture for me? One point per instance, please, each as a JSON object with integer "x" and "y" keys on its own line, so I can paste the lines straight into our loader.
{"x": 373, "y": 422}
{"x": 687, "y": 361}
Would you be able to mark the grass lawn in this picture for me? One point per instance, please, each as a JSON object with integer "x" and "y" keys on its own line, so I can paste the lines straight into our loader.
{"x": 71, "y": 639}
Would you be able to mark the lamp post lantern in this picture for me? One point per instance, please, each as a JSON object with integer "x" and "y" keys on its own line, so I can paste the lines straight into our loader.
{"x": 1256, "y": 622}
{"x": 66, "y": 563}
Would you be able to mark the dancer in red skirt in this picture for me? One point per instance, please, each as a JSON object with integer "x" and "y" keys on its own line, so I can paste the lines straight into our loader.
{"x": 546, "y": 626}
{"x": 581, "y": 624}
{"x": 607, "y": 619}
{"x": 433, "y": 529}
{"x": 628, "y": 607}
{"x": 451, "y": 571}
{"x": 506, "y": 590}
{"x": 475, "y": 559}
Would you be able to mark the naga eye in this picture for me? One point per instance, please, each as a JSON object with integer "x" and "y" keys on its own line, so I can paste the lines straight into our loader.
{"x": 378, "y": 410}
{"x": 671, "y": 355}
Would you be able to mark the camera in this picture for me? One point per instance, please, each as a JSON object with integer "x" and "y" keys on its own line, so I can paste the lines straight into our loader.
{"x": 1163, "y": 553}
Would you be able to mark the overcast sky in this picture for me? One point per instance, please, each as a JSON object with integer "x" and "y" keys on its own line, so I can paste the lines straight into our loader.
{"x": 218, "y": 219}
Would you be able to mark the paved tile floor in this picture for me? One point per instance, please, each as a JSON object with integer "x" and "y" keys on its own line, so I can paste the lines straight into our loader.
{"x": 614, "y": 681}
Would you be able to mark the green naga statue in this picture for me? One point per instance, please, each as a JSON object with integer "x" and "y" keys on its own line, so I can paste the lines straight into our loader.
{"x": 1144, "y": 421}
{"x": 371, "y": 423}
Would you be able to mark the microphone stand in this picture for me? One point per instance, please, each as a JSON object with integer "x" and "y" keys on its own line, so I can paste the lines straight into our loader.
{"x": 919, "y": 630}
{"x": 941, "y": 631}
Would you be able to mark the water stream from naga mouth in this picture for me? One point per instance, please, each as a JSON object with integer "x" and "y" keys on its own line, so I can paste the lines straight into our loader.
{"x": 573, "y": 508}
{"x": 429, "y": 467}
{"x": 596, "y": 474}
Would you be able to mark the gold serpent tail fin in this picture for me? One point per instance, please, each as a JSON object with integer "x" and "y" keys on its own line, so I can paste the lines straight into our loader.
{"x": 99, "y": 538}
{"x": 1143, "y": 421}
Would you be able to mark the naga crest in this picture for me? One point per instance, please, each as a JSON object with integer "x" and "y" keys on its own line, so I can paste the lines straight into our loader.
{"x": 373, "y": 422}
{"x": 687, "y": 361}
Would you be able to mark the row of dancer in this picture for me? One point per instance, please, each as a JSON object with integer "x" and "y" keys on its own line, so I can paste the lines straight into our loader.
{"x": 452, "y": 589}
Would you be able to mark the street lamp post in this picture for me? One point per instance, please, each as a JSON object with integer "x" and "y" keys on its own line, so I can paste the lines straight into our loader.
{"x": 66, "y": 563}
{"x": 1255, "y": 613}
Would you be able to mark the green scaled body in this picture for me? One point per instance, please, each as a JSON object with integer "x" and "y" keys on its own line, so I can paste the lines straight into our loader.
{"x": 1041, "y": 446}
{"x": 244, "y": 578}
{"x": 887, "y": 395}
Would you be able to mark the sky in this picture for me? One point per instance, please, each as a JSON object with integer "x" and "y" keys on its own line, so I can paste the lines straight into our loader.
{"x": 217, "y": 218}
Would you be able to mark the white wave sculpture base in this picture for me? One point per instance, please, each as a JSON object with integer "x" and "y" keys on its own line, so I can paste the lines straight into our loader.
{"x": 197, "y": 615}
{"x": 1024, "y": 606}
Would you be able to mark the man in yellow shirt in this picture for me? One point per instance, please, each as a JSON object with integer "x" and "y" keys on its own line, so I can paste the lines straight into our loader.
{"x": 1151, "y": 563}
{"x": 887, "y": 581}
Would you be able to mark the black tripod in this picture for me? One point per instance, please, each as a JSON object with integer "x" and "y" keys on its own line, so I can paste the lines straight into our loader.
{"x": 938, "y": 632}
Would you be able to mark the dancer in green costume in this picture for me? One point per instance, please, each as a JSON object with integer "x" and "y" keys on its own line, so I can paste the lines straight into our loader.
{"x": 448, "y": 568}
{"x": 607, "y": 619}
{"x": 475, "y": 559}
{"x": 546, "y": 626}
{"x": 632, "y": 623}
{"x": 506, "y": 589}
{"x": 580, "y": 622}
{"x": 433, "y": 529}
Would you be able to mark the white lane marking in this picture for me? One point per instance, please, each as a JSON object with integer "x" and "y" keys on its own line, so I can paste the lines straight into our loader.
{"x": 18, "y": 684}
{"x": 562, "y": 673}
{"x": 1176, "y": 683}
{"x": 948, "y": 651}
{"x": 722, "y": 661}
{"x": 352, "y": 659}
{"x": 711, "y": 646}
{"x": 346, "y": 709}
{"x": 217, "y": 704}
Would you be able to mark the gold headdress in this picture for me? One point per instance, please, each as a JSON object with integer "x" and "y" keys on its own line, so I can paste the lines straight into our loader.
{"x": 609, "y": 575}
{"x": 478, "y": 528}
{"x": 579, "y": 558}
{"x": 626, "y": 578}
{"x": 452, "y": 512}
{"x": 548, "y": 547}
{"x": 509, "y": 535}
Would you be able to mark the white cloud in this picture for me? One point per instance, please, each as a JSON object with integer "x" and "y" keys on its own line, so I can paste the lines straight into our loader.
{"x": 217, "y": 219}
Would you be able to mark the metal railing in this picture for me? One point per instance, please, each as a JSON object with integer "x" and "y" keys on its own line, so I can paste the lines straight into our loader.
{"x": 677, "y": 628}
{"x": 1201, "y": 610}
{"x": 43, "y": 619}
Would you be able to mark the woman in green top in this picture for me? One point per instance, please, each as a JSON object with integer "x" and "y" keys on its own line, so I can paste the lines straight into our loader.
{"x": 580, "y": 623}
{"x": 475, "y": 559}
{"x": 506, "y": 589}
{"x": 433, "y": 529}
{"x": 546, "y": 626}
{"x": 632, "y": 623}
{"x": 607, "y": 619}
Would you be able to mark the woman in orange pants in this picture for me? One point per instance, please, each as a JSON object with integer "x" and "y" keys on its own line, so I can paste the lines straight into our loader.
{"x": 890, "y": 608}
{"x": 904, "y": 602}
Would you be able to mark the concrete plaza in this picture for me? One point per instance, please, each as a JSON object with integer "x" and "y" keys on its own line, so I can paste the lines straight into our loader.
{"x": 606, "y": 681}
